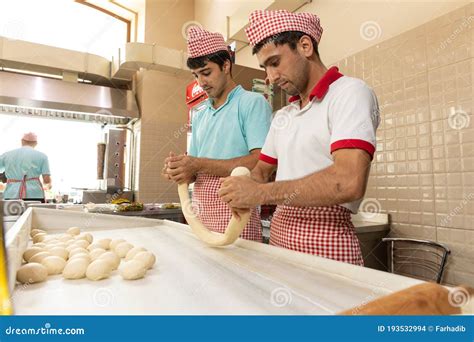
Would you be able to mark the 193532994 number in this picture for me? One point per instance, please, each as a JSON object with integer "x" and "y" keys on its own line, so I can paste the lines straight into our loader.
{"x": 402, "y": 328}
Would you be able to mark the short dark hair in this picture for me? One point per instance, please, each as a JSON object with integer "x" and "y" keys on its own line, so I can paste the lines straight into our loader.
{"x": 288, "y": 37}
{"x": 218, "y": 57}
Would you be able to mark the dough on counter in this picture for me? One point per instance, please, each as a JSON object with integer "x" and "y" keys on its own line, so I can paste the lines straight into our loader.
{"x": 234, "y": 228}
{"x": 40, "y": 237}
{"x": 77, "y": 250}
{"x": 60, "y": 252}
{"x": 134, "y": 251}
{"x": 111, "y": 257}
{"x": 36, "y": 231}
{"x": 54, "y": 264}
{"x": 98, "y": 269}
{"x": 81, "y": 255}
{"x": 76, "y": 268}
{"x": 94, "y": 246}
{"x": 85, "y": 236}
{"x": 105, "y": 243}
{"x": 147, "y": 257}
{"x": 31, "y": 273}
{"x": 66, "y": 237}
{"x": 29, "y": 252}
{"x": 96, "y": 252}
{"x": 81, "y": 243}
{"x": 133, "y": 269}
{"x": 123, "y": 248}
{"x": 74, "y": 231}
{"x": 37, "y": 258}
{"x": 115, "y": 242}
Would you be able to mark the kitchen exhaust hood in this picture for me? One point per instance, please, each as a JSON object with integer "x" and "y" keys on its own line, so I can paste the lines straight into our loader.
{"x": 40, "y": 96}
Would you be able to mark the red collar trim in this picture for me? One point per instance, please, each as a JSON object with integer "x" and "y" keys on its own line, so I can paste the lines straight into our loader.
{"x": 322, "y": 87}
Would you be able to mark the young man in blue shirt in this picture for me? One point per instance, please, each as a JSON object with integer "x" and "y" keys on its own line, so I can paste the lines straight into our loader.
{"x": 229, "y": 132}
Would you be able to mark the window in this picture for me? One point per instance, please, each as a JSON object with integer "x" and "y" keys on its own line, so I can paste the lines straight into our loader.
{"x": 62, "y": 23}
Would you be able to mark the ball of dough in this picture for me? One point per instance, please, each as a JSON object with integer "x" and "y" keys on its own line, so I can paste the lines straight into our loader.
{"x": 54, "y": 264}
{"x": 39, "y": 257}
{"x": 147, "y": 257}
{"x": 123, "y": 248}
{"x": 77, "y": 250}
{"x": 81, "y": 255}
{"x": 66, "y": 237}
{"x": 113, "y": 258}
{"x": 133, "y": 269}
{"x": 96, "y": 252}
{"x": 76, "y": 268}
{"x": 39, "y": 237}
{"x": 98, "y": 269}
{"x": 114, "y": 243}
{"x": 29, "y": 252}
{"x": 94, "y": 246}
{"x": 60, "y": 252}
{"x": 85, "y": 236}
{"x": 39, "y": 244}
{"x": 57, "y": 244}
{"x": 74, "y": 231}
{"x": 134, "y": 251}
{"x": 105, "y": 243}
{"x": 31, "y": 273}
{"x": 36, "y": 231}
{"x": 81, "y": 243}
{"x": 240, "y": 171}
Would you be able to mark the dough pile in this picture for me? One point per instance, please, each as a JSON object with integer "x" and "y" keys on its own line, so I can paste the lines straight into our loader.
{"x": 74, "y": 255}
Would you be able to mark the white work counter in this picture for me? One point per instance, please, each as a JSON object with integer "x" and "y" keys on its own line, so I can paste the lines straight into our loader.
{"x": 192, "y": 278}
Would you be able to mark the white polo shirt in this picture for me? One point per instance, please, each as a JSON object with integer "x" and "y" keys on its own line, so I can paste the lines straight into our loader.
{"x": 342, "y": 113}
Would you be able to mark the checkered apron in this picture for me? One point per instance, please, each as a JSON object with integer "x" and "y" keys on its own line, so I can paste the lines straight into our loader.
{"x": 215, "y": 214}
{"x": 327, "y": 232}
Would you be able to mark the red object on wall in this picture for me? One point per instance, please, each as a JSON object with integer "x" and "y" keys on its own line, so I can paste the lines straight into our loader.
{"x": 194, "y": 94}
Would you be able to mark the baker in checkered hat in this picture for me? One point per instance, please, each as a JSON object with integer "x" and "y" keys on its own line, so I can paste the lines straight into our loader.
{"x": 229, "y": 132}
{"x": 321, "y": 145}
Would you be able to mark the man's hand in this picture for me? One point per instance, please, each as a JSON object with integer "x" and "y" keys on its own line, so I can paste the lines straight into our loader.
{"x": 240, "y": 193}
{"x": 182, "y": 168}
{"x": 164, "y": 170}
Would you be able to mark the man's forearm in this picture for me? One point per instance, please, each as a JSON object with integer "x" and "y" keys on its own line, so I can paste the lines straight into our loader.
{"x": 324, "y": 188}
{"x": 223, "y": 167}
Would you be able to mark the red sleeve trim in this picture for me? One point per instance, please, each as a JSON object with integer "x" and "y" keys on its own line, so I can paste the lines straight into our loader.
{"x": 354, "y": 143}
{"x": 268, "y": 159}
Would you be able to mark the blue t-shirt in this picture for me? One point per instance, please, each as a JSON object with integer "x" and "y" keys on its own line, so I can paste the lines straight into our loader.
{"x": 20, "y": 162}
{"x": 238, "y": 126}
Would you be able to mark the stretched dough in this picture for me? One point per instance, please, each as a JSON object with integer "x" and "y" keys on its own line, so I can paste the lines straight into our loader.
{"x": 234, "y": 228}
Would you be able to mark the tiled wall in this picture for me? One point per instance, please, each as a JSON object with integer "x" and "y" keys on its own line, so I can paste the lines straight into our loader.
{"x": 423, "y": 172}
{"x": 161, "y": 97}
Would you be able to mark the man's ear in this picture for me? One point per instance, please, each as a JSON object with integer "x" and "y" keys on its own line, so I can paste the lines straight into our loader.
{"x": 226, "y": 68}
{"x": 305, "y": 46}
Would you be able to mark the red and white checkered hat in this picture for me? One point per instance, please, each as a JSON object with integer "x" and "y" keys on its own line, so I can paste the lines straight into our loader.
{"x": 202, "y": 42}
{"x": 263, "y": 24}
